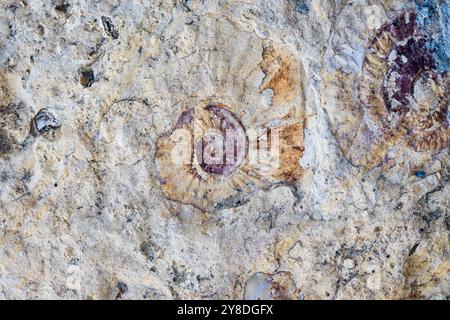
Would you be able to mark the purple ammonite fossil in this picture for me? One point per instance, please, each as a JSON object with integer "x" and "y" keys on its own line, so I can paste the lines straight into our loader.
{"x": 223, "y": 147}
{"x": 244, "y": 137}
{"x": 388, "y": 86}
{"x": 205, "y": 159}
{"x": 401, "y": 87}
{"x": 201, "y": 161}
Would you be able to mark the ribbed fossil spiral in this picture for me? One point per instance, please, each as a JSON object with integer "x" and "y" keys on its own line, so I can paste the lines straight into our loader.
{"x": 400, "y": 86}
{"x": 398, "y": 96}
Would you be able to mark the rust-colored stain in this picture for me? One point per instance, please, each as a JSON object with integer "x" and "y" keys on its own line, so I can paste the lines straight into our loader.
{"x": 283, "y": 75}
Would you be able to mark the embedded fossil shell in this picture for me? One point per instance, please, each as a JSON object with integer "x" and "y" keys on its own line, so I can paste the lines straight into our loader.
{"x": 236, "y": 141}
{"x": 277, "y": 286}
{"x": 410, "y": 90}
{"x": 401, "y": 97}
{"x": 205, "y": 160}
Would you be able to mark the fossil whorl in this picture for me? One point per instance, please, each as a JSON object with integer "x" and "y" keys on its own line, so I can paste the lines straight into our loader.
{"x": 400, "y": 87}
{"x": 205, "y": 160}
{"x": 208, "y": 158}
{"x": 397, "y": 97}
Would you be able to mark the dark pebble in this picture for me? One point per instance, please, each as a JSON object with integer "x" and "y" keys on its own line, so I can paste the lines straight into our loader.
{"x": 62, "y": 7}
{"x": 87, "y": 77}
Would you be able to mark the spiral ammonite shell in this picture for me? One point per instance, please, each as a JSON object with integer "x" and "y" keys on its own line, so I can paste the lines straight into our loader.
{"x": 204, "y": 160}
{"x": 399, "y": 83}
{"x": 402, "y": 97}
{"x": 211, "y": 158}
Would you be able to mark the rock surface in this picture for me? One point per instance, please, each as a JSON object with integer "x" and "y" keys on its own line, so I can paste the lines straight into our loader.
{"x": 91, "y": 93}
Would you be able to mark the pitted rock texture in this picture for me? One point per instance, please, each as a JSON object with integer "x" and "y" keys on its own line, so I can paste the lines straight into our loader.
{"x": 93, "y": 95}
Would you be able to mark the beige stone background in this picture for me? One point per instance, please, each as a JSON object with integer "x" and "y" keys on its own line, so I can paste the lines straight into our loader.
{"x": 83, "y": 215}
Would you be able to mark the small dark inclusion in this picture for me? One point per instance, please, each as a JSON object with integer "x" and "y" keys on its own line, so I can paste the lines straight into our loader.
{"x": 109, "y": 28}
{"x": 87, "y": 77}
{"x": 302, "y": 7}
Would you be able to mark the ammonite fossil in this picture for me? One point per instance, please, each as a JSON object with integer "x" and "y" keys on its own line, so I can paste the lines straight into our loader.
{"x": 402, "y": 97}
{"x": 210, "y": 160}
{"x": 247, "y": 135}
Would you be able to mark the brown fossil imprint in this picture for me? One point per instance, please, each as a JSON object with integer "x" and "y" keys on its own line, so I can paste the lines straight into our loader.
{"x": 218, "y": 154}
{"x": 402, "y": 99}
